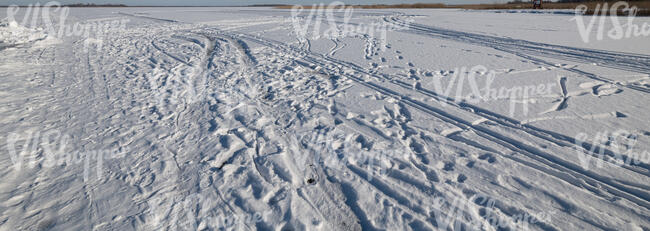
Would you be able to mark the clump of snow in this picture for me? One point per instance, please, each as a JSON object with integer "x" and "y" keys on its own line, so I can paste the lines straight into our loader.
{"x": 12, "y": 34}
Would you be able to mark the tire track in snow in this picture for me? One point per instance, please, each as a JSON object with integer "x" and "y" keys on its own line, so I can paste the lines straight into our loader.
{"x": 523, "y": 48}
{"x": 515, "y": 160}
{"x": 555, "y": 138}
{"x": 558, "y": 167}
{"x": 323, "y": 197}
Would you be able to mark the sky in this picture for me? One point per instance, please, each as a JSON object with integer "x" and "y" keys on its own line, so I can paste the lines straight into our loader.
{"x": 238, "y": 2}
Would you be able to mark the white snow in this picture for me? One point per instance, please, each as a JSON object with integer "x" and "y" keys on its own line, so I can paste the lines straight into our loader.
{"x": 224, "y": 118}
{"x": 12, "y": 34}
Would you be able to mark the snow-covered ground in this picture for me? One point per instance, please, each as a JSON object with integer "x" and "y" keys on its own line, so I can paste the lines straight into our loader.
{"x": 230, "y": 118}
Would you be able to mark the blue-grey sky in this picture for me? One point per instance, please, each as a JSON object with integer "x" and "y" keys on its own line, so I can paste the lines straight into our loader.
{"x": 239, "y": 2}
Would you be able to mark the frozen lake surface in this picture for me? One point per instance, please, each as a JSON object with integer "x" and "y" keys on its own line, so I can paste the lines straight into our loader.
{"x": 255, "y": 119}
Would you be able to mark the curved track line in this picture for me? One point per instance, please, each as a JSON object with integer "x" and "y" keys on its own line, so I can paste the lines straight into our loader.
{"x": 560, "y": 166}
{"x": 526, "y": 49}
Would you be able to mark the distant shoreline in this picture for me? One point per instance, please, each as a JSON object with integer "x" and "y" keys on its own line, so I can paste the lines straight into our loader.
{"x": 122, "y": 5}
{"x": 643, "y": 6}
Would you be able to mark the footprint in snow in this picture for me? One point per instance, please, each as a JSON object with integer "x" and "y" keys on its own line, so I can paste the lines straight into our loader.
{"x": 489, "y": 157}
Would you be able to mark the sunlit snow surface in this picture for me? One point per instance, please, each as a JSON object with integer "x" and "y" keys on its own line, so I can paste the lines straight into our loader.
{"x": 224, "y": 118}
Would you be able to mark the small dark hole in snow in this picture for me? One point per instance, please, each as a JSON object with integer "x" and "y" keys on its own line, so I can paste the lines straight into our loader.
{"x": 311, "y": 181}
{"x": 461, "y": 178}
